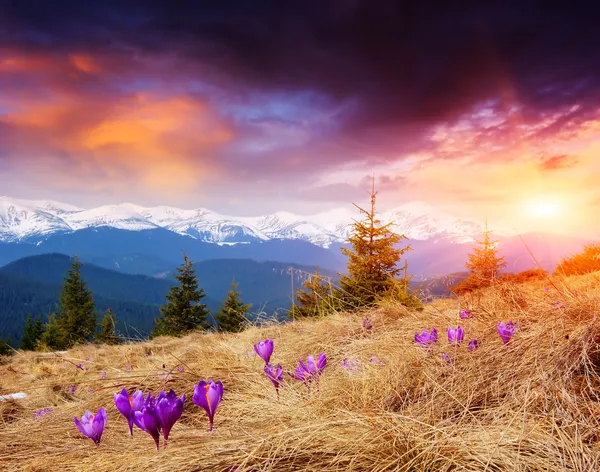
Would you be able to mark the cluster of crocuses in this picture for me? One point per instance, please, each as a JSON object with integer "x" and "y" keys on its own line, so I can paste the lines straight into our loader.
{"x": 456, "y": 335}
{"x": 154, "y": 415}
{"x": 312, "y": 370}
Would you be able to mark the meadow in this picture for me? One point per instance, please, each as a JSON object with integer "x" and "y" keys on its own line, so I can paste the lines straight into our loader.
{"x": 384, "y": 403}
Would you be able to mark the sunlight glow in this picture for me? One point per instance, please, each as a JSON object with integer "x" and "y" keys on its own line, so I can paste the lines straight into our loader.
{"x": 543, "y": 208}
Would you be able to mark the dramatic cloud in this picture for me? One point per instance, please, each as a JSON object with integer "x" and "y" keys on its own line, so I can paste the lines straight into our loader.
{"x": 247, "y": 107}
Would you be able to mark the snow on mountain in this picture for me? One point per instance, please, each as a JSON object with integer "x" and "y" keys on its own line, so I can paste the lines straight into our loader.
{"x": 23, "y": 219}
{"x": 115, "y": 216}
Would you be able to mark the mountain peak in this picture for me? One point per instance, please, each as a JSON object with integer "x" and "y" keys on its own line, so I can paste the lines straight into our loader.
{"x": 33, "y": 220}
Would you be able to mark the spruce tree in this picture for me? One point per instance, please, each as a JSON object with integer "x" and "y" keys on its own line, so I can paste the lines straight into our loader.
{"x": 6, "y": 347}
{"x": 313, "y": 298}
{"x": 183, "y": 312}
{"x": 232, "y": 312}
{"x": 484, "y": 264}
{"x": 51, "y": 337}
{"x": 32, "y": 332}
{"x": 76, "y": 315}
{"x": 372, "y": 262}
{"x": 108, "y": 332}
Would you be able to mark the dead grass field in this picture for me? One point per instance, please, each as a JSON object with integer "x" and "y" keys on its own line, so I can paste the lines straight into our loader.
{"x": 533, "y": 405}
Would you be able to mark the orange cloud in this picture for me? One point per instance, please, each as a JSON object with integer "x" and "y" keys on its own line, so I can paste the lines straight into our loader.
{"x": 84, "y": 63}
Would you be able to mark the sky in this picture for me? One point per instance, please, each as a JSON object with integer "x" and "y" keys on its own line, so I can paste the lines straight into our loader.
{"x": 250, "y": 107}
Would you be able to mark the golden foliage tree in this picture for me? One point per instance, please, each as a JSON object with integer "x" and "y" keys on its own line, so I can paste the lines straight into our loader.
{"x": 484, "y": 264}
{"x": 313, "y": 298}
{"x": 373, "y": 262}
{"x": 583, "y": 263}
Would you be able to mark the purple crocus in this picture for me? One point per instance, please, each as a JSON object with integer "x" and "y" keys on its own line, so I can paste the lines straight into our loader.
{"x": 168, "y": 409}
{"x": 127, "y": 368}
{"x": 426, "y": 339}
{"x": 559, "y": 305}
{"x": 92, "y": 425}
{"x": 367, "y": 324}
{"x": 264, "y": 349}
{"x": 455, "y": 335}
{"x": 128, "y": 405}
{"x": 103, "y": 376}
{"x": 208, "y": 395}
{"x": 473, "y": 344}
{"x": 506, "y": 331}
{"x": 446, "y": 358}
{"x": 464, "y": 314}
{"x": 275, "y": 375}
{"x": 350, "y": 364}
{"x": 147, "y": 419}
{"x": 311, "y": 370}
{"x": 79, "y": 366}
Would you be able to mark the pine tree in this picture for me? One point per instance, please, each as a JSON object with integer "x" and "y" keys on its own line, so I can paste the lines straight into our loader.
{"x": 313, "y": 299}
{"x": 51, "y": 337}
{"x": 6, "y": 347}
{"x": 183, "y": 312}
{"x": 108, "y": 332}
{"x": 372, "y": 262}
{"x": 231, "y": 314}
{"x": 76, "y": 316}
{"x": 32, "y": 332}
{"x": 484, "y": 264}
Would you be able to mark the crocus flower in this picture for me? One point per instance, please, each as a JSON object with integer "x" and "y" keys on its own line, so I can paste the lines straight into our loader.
{"x": 264, "y": 349}
{"x": 275, "y": 375}
{"x": 92, "y": 425}
{"x": 128, "y": 405}
{"x": 72, "y": 388}
{"x": 41, "y": 413}
{"x": 208, "y": 395}
{"x": 147, "y": 419}
{"x": 546, "y": 289}
{"x": 426, "y": 339}
{"x": 127, "y": 367}
{"x": 314, "y": 368}
{"x": 473, "y": 344}
{"x": 464, "y": 314}
{"x": 506, "y": 331}
{"x": 103, "y": 376}
{"x": 169, "y": 409}
{"x": 375, "y": 361}
{"x": 446, "y": 358}
{"x": 350, "y": 364}
{"x": 455, "y": 335}
{"x": 79, "y": 366}
{"x": 180, "y": 369}
{"x": 367, "y": 324}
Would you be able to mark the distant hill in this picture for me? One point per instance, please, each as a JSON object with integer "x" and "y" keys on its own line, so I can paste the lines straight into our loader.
{"x": 32, "y": 285}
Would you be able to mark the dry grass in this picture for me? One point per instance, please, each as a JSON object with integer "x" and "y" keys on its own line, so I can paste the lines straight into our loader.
{"x": 530, "y": 406}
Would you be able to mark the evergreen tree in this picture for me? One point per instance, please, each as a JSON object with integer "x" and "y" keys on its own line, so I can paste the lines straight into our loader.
{"x": 6, "y": 347}
{"x": 484, "y": 264}
{"x": 183, "y": 312}
{"x": 108, "y": 332}
{"x": 32, "y": 332}
{"x": 372, "y": 262}
{"x": 51, "y": 337}
{"x": 313, "y": 299}
{"x": 76, "y": 315}
{"x": 231, "y": 314}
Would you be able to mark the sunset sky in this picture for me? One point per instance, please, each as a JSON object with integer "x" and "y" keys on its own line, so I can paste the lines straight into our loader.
{"x": 248, "y": 107}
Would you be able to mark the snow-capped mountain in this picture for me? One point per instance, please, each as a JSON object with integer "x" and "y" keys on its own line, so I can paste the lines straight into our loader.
{"x": 35, "y": 220}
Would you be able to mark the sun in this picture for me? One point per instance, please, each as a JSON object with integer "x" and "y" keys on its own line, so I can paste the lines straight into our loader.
{"x": 543, "y": 208}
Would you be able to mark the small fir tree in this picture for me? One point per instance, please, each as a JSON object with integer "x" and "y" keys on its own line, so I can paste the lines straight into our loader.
{"x": 183, "y": 312}
{"x": 6, "y": 347}
{"x": 313, "y": 298}
{"x": 484, "y": 264}
{"x": 76, "y": 311}
{"x": 32, "y": 332}
{"x": 108, "y": 329}
{"x": 51, "y": 337}
{"x": 231, "y": 314}
{"x": 373, "y": 262}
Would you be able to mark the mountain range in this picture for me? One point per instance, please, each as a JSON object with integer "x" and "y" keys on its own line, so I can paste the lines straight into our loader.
{"x": 150, "y": 241}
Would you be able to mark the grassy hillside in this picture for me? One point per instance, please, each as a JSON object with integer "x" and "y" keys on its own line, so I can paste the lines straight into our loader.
{"x": 531, "y": 405}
